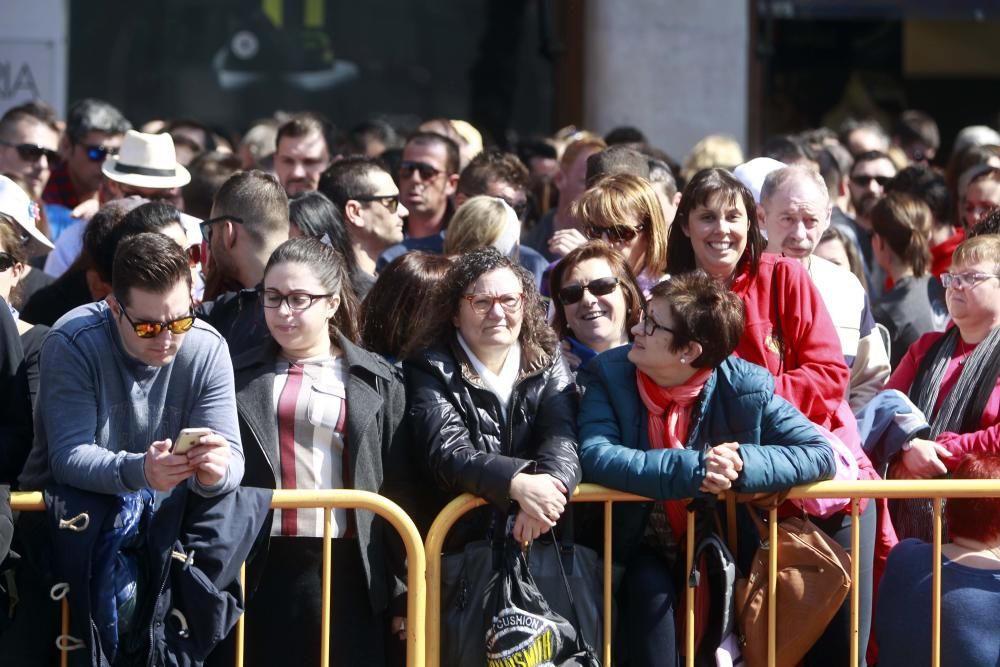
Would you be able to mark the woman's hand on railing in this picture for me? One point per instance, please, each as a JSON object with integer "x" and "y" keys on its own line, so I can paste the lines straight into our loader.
{"x": 923, "y": 459}
{"x": 722, "y": 467}
{"x": 542, "y": 497}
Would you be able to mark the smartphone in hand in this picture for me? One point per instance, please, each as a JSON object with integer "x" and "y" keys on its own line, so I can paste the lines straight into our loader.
{"x": 188, "y": 439}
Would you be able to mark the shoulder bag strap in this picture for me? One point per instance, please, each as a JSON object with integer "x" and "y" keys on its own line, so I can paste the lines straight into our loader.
{"x": 581, "y": 643}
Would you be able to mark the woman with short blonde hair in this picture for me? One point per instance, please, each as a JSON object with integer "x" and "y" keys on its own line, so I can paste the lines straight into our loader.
{"x": 483, "y": 222}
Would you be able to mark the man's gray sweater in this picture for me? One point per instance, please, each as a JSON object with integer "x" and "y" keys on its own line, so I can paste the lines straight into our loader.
{"x": 99, "y": 409}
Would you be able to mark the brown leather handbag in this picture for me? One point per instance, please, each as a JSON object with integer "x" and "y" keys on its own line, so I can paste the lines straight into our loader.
{"x": 813, "y": 581}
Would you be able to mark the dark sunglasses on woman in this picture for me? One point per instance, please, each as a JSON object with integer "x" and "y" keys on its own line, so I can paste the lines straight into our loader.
{"x": 613, "y": 234}
{"x": 572, "y": 293}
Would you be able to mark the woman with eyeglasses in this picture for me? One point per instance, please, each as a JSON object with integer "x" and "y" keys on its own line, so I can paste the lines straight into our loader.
{"x": 492, "y": 404}
{"x": 953, "y": 377}
{"x": 674, "y": 415}
{"x": 624, "y": 211}
{"x": 318, "y": 412}
{"x": 596, "y": 301}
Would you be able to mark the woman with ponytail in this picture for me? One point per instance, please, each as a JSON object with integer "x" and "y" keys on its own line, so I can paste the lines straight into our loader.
{"x": 318, "y": 412}
{"x": 915, "y": 305}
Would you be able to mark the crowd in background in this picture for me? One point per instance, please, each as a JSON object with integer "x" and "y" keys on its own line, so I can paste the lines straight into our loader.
{"x": 411, "y": 312}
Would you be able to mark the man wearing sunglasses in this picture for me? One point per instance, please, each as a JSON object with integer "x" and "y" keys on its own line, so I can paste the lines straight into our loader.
{"x": 869, "y": 176}
{"x": 367, "y": 197}
{"x": 428, "y": 175}
{"x": 94, "y": 130}
{"x": 29, "y": 147}
{"x": 146, "y": 166}
{"x": 120, "y": 378}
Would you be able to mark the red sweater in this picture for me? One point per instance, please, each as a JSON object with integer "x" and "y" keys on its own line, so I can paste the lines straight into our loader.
{"x": 814, "y": 376}
{"x": 987, "y": 438}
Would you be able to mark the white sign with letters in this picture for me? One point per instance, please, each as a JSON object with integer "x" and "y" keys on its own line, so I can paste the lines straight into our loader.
{"x": 27, "y": 71}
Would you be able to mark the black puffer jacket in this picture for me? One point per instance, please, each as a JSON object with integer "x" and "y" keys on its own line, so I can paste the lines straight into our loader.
{"x": 465, "y": 443}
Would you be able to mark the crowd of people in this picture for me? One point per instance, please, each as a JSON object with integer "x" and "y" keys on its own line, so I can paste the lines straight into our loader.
{"x": 190, "y": 321}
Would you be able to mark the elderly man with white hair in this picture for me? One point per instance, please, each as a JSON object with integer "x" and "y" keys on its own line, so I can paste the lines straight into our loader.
{"x": 794, "y": 212}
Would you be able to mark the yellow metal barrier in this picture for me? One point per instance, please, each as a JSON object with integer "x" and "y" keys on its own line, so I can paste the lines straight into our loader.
{"x": 328, "y": 500}
{"x": 935, "y": 489}
{"x": 423, "y": 630}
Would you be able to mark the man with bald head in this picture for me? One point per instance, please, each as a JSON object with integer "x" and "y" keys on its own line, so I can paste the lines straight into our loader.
{"x": 794, "y": 211}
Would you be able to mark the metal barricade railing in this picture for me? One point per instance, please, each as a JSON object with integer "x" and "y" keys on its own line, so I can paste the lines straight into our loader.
{"x": 934, "y": 489}
{"x": 327, "y": 500}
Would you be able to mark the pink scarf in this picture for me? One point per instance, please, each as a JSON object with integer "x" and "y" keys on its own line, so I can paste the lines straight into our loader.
{"x": 668, "y": 421}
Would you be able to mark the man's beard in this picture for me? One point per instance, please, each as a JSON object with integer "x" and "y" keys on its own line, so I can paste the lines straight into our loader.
{"x": 221, "y": 278}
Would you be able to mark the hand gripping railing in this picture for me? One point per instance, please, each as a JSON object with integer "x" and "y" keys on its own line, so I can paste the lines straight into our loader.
{"x": 327, "y": 500}
{"x": 934, "y": 489}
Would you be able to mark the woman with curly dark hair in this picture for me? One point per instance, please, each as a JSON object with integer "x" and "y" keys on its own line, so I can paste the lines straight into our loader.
{"x": 492, "y": 403}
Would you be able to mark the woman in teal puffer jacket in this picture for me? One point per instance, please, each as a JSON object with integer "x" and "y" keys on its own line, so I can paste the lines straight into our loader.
{"x": 674, "y": 416}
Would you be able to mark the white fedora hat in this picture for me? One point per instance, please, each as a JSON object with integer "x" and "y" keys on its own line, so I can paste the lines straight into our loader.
{"x": 146, "y": 161}
{"x": 16, "y": 203}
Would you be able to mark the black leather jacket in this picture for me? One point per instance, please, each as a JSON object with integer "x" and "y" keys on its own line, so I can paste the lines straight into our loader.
{"x": 467, "y": 445}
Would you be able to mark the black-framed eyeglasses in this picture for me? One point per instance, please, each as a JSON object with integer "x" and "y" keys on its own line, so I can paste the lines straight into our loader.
{"x": 206, "y": 225}
{"x": 270, "y": 298}
{"x": 150, "y": 329}
{"x": 99, "y": 153}
{"x": 7, "y": 261}
{"x": 649, "y": 325}
{"x": 483, "y": 303}
{"x": 391, "y": 202}
{"x": 408, "y": 167}
{"x": 33, "y": 152}
{"x": 572, "y": 293}
{"x": 613, "y": 234}
{"x": 862, "y": 180}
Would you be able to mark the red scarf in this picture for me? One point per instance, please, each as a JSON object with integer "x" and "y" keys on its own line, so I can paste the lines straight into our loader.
{"x": 669, "y": 420}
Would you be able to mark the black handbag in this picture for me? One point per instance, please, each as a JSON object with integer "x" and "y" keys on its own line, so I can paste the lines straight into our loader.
{"x": 568, "y": 572}
{"x": 523, "y": 630}
{"x": 466, "y": 579}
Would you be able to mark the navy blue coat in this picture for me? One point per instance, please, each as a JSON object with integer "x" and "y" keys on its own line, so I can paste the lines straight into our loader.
{"x": 186, "y": 606}
{"x": 779, "y": 446}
